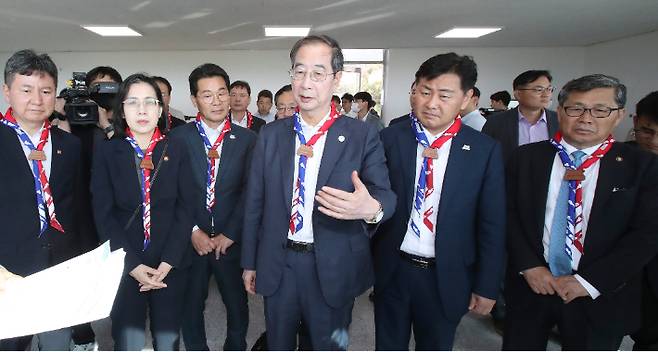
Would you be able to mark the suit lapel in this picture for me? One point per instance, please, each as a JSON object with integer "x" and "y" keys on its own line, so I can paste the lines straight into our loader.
{"x": 285, "y": 155}
{"x": 542, "y": 167}
{"x": 58, "y": 155}
{"x": 199, "y": 157}
{"x": 407, "y": 146}
{"x": 125, "y": 159}
{"x": 333, "y": 149}
{"x": 513, "y": 127}
{"x": 228, "y": 147}
{"x": 457, "y": 166}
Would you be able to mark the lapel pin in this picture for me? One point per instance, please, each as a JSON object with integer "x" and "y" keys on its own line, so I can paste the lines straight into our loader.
{"x": 231, "y": 136}
{"x": 341, "y": 139}
{"x": 59, "y": 151}
{"x": 466, "y": 147}
{"x": 618, "y": 158}
{"x": 615, "y": 189}
{"x": 166, "y": 158}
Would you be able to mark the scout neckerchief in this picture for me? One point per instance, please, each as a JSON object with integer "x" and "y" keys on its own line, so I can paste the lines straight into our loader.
{"x": 213, "y": 155}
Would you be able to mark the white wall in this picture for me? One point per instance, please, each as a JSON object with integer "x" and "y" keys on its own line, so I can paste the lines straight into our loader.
{"x": 262, "y": 69}
{"x": 634, "y": 61}
{"x": 497, "y": 67}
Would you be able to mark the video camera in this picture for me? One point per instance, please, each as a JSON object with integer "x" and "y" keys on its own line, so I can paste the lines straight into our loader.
{"x": 82, "y": 102}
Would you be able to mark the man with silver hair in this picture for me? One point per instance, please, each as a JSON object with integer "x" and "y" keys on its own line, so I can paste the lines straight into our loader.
{"x": 581, "y": 225}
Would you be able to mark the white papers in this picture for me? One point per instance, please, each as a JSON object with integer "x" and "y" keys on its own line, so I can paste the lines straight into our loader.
{"x": 77, "y": 291}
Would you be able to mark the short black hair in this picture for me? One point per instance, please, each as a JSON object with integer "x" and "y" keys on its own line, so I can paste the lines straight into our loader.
{"x": 206, "y": 71}
{"x": 336, "y": 99}
{"x": 242, "y": 84}
{"x": 337, "y": 60}
{"x": 118, "y": 119}
{"x": 648, "y": 107}
{"x": 27, "y": 62}
{"x": 102, "y": 71}
{"x": 503, "y": 96}
{"x": 476, "y": 92}
{"x": 365, "y": 96}
{"x": 286, "y": 88}
{"x": 590, "y": 82}
{"x": 529, "y": 77}
{"x": 348, "y": 96}
{"x": 163, "y": 81}
{"x": 264, "y": 94}
{"x": 462, "y": 66}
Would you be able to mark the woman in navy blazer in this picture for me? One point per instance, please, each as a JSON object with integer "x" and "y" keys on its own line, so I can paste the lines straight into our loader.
{"x": 138, "y": 187}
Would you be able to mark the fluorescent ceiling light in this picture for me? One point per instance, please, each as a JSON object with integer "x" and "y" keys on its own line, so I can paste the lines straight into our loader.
{"x": 286, "y": 31}
{"x": 467, "y": 32}
{"x": 113, "y": 31}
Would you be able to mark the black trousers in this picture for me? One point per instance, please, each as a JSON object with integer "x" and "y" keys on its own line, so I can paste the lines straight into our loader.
{"x": 299, "y": 297}
{"x": 411, "y": 300}
{"x": 228, "y": 275}
{"x": 164, "y": 308}
{"x": 646, "y": 339}
{"x": 531, "y": 317}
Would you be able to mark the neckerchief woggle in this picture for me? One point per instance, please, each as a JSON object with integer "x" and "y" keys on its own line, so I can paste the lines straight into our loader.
{"x": 145, "y": 167}
{"x": 574, "y": 231}
{"x": 305, "y": 151}
{"x": 213, "y": 155}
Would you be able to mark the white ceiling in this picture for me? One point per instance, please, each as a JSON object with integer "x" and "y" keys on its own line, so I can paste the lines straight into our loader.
{"x": 54, "y": 25}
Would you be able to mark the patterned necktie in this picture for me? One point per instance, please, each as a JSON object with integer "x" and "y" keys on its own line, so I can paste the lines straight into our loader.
{"x": 559, "y": 259}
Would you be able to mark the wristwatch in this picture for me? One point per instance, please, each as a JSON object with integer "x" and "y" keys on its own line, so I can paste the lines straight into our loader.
{"x": 377, "y": 217}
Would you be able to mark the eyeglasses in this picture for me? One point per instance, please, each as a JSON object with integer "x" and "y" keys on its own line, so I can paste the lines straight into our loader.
{"x": 644, "y": 132}
{"x": 597, "y": 112}
{"x": 282, "y": 109}
{"x": 134, "y": 103}
{"x": 208, "y": 97}
{"x": 540, "y": 90}
{"x": 316, "y": 75}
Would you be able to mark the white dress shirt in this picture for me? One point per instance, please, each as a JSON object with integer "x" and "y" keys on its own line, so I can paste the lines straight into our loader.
{"x": 47, "y": 148}
{"x": 242, "y": 123}
{"x": 305, "y": 234}
{"x": 589, "y": 187}
{"x": 424, "y": 245}
{"x": 474, "y": 120}
{"x": 212, "y": 134}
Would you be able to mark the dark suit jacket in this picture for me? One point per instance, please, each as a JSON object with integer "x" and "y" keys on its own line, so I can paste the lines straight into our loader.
{"x": 621, "y": 234}
{"x": 504, "y": 127}
{"x": 228, "y": 212}
{"x": 470, "y": 242}
{"x": 116, "y": 193}
{"x": 22, "y": 251}
{"x": 397, "y": 120}
{"x": 342, "y": 247}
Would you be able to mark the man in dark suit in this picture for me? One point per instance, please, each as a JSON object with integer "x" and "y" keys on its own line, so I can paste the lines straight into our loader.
{"x": 220, "y": 152}
{"x": 172, "y": 121}
{"x": 581, "y": 225}
{"x": 645, "y": 128}
{"x": 529, "y": 122}
{"x": 306, "y": 239}
{"x": 441, "y": 254}
{"x": 240, "y": 98}
{"x": 38, "y": 163}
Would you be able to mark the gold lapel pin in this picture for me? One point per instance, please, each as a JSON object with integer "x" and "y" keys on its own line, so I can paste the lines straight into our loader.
{"x": 166, "y": 158}
{"x": 618, "y": 158}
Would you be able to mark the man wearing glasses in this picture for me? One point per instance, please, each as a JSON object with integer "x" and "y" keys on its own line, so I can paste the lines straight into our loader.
{"x": 317, "y": 189}
{"x": 219, "y": 151}
{"x": 284, "y": 102}
{"x": 531, "y": 121}
{"x": 581, "y": 226}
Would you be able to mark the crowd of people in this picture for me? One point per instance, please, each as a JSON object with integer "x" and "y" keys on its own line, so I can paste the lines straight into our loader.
{"x": 537, "y": 217}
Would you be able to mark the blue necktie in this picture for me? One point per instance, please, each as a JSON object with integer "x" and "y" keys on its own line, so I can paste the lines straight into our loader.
{"x": 558, "y": 259}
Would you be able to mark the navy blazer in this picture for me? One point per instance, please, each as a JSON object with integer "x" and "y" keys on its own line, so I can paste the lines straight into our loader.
{"x": 621, "y": 234}
{"x": 342, "y": 247}
{"x": 228, "y": 212}
{"x": 22, "y": 251}
{"x": 116, "y": 193}
{"x": 470, "y": 240}
{"x": 504, "y": 127}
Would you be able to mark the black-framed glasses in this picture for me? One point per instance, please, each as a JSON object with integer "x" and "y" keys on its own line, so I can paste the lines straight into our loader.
{"x": 600, "y": 112}
{"x": 540, "y": 90}
{"x": 316, "y": 75}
